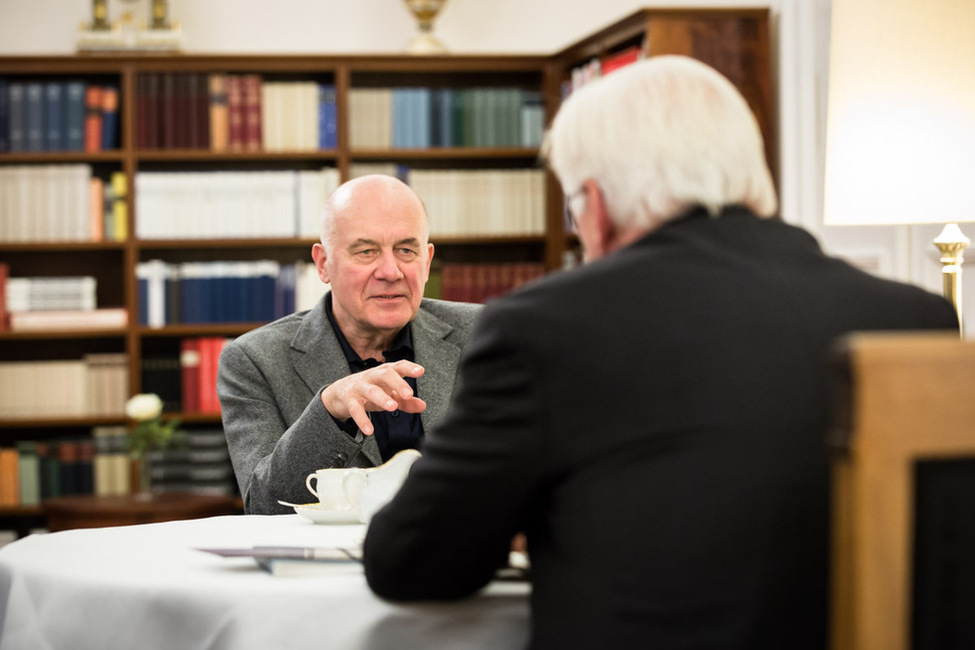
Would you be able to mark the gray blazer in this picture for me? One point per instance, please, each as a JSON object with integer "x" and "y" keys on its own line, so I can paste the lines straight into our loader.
{"x": 270, "y": 382}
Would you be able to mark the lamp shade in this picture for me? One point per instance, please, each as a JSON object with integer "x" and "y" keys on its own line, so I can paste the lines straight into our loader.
{"x": 900, "y": 125}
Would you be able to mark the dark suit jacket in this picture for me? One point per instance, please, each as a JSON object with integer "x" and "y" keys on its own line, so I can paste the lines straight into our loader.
{"x": 270, "y": 382}
{"x": 655, "y": 422}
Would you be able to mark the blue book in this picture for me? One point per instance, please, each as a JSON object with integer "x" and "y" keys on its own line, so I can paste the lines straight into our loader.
{"x": 445, "y": 117}
{"x": 143, "y": 289}
{"x": 4, "y": 116}
{"x": 190, "y": 292}
{"x": 109, "y": 118}
{"x": 74, "y": 115}
{"x": 17, "y": 125}
{"x": 327, "y": 128}
{"x": 54, "y": 122}
{"x": 35, "y": 116}
{"x": 422, "y": 117}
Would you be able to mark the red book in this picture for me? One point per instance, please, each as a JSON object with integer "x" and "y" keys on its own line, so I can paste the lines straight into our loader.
{"x": 93, "y": 119}
{"x": 199, "y": 111}
{"x": 620, "y": 59}
{"x": 189, "y": 362}
{"x": 252, "y": 112}
{"x": 141, "y": 111}
{"x": 151, "y": 128}
{"x": 210, "y": 348}
{"x": 168, "y": 110}
{"x": 235, "y": 112}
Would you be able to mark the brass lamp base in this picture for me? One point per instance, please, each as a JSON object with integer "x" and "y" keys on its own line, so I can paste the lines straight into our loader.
{"x": 425, "y": 42}
{"x": 952, "y": 243}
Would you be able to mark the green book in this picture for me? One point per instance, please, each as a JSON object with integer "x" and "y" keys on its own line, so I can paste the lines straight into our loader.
{"x": 30, "y": 473}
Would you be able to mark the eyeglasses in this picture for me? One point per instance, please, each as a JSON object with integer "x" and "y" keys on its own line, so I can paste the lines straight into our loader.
{"x": 569, "y": 218}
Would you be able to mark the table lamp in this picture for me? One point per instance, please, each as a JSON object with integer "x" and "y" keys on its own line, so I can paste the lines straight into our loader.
{"x": 900, "y": 124}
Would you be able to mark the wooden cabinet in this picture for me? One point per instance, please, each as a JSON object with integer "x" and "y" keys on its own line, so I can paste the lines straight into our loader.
{"x": 497, "y": 105}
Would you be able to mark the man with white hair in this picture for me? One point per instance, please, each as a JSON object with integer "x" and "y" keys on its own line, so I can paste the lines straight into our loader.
{"x": 360, "y": 376}
{"x": 654, "y": 420}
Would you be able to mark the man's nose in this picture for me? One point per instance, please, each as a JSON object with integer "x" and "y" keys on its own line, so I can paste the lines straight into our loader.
{"x": 388, "y": 267}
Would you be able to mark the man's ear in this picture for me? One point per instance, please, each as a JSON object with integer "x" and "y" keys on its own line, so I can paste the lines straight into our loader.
{"x": 320, "y": 256}
{"x": 605, "y": 227}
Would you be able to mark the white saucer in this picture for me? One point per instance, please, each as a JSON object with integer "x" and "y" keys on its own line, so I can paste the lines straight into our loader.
{"x": 318, "y": 514}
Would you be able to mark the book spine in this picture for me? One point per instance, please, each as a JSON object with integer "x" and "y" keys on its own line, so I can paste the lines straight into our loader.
{"x": 35, "y": 116}
{"x": 189, "y": 361}
{"x": 93, "y": 119}
{"x": 54, "y": 118}
{"x": 74, "y": 109}
{"x": 110, "y": 125}
{"x": 153, "y": 126}
{"x": 235, "y": 112}
{"x": 141, "y": 111}
{"x": 17, "y": 126}
{"x": 219, "y": 124}
{"x": 252, "y": 112}
{"x": 4, "y": 116}
{"x": 168, "y": 110}
{"x": 200, "y": 100}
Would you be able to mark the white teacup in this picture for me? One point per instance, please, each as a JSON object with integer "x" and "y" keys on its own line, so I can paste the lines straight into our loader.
{"x": 338, "y": 488}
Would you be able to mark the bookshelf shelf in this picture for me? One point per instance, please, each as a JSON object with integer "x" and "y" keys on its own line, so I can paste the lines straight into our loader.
{"x": 60, "y": 157}
{"x": 197, "y": 329}
{"x": 197, "y": 155}
{"x": 214, "y": 244}
{"x": 60, "y": 422}
{"x": 73, "y": 334}
{"x": 446, "y": 153}
{"x": 61, "y": 246}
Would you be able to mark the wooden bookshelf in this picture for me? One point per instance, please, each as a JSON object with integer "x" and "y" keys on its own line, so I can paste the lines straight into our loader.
{"x": 734, "y": 41}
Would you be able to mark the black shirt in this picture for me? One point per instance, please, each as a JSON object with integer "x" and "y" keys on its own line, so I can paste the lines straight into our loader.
{"x": 394, "y": 430}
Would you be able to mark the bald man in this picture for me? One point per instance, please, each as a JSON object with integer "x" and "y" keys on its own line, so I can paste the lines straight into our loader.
{"x": 361, "y": 375}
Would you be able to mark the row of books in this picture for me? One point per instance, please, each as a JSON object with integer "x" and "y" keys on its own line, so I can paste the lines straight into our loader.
{"x": 595, "y": 68}
{"x": 480, "y": 282}
{"x": 99, "y": 464}
{"x": 186, "y": 380}
{"x": 95, "y": 385}
{"x": 45, "y": 203}
{"x": 214, "y": 205}
{"x": 224, "y": 292}
{"x": 202, "y": 466}
{"x": 34, "y": 470}
{"x": 71, "y": 115}
{"x": 50, "y": 293}
{"x": 482, "y": 202}
{"x": 54, "y": 303}
{"x": 383, "y": 118}
{"x": 233, "y": 112}
{"x": 473, "y": 202}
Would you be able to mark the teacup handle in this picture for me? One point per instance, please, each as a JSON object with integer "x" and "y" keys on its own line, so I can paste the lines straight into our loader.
{"x": 308, "y": 479}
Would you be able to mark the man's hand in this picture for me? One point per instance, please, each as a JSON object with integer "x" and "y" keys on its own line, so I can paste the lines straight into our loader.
{"x": 378, "y": 389}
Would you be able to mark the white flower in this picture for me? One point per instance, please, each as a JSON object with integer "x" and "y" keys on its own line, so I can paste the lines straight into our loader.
{"x": 144, "y": 406}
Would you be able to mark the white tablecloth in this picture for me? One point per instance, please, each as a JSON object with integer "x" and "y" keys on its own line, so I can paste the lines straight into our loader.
{"x": 146, "y": 587}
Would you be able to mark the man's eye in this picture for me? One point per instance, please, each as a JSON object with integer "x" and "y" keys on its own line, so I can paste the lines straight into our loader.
{"x": 407, "y": 252}
{"x": 368, "y": 252}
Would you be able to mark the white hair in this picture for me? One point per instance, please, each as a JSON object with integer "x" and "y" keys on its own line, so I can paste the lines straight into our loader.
{"x": 660, "y": 137}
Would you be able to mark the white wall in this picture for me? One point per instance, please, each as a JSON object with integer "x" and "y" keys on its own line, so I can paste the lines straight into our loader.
{"x": 800, "y": 34}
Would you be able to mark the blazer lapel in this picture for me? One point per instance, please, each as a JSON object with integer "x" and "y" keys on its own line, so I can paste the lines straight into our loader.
{"x": 315, "y": 352}
{"x": 439, "y": 359}
{"x": 318, "y": 360}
